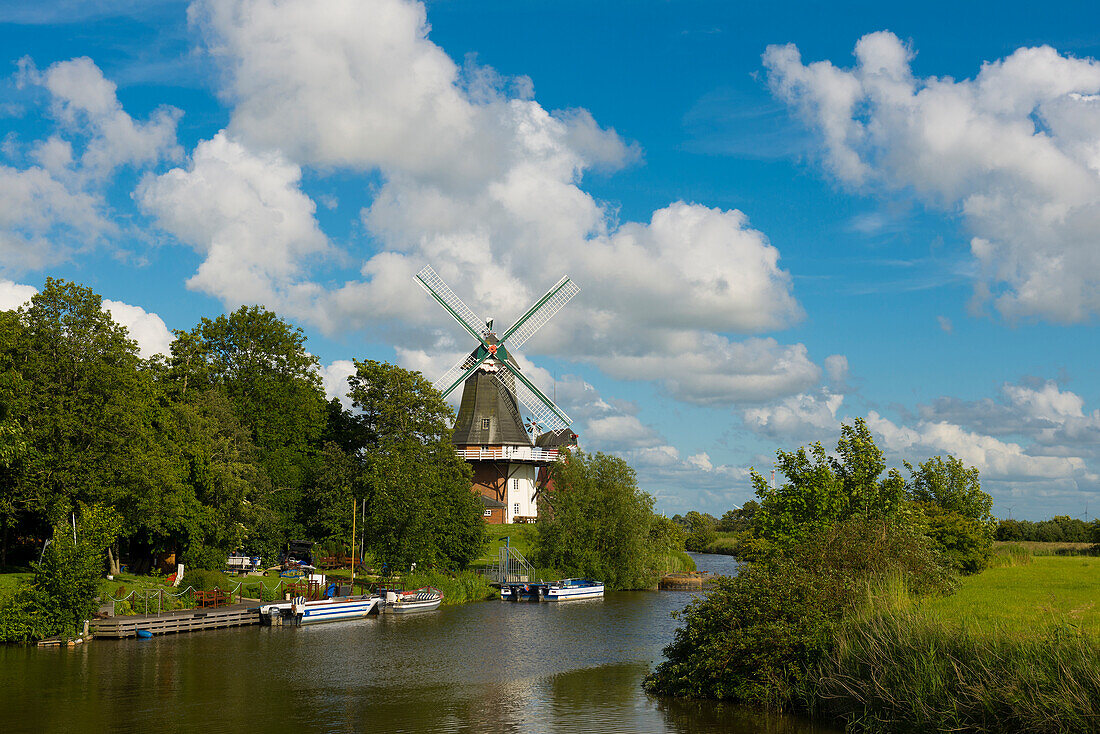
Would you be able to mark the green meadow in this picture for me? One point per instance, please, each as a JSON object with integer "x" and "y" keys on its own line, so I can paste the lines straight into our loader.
{"x": 1019, "y": 598}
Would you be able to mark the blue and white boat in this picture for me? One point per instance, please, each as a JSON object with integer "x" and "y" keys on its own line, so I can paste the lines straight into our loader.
{"x": 300, "y": 611}
{"x": 397, "y": 601}
{"x": 570, "y": 589}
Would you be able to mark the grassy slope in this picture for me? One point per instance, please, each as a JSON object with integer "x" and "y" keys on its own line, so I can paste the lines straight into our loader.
{"x": 1017, "y": 599}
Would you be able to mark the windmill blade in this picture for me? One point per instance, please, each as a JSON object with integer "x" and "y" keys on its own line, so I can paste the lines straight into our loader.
{"x": 454, "y": 377}
{"x": 541, "y": 312}
{"x": 434, "y": 285}
{"x": 542, "y": 408}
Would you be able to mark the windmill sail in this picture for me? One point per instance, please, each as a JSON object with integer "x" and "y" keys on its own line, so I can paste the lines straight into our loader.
{"x": 543, "y": 310}
{"x": 509, "y": 387}
{"x": 441, "y": 292}
{"x": 453, "y": 377}
{"x": 541, "y": 408}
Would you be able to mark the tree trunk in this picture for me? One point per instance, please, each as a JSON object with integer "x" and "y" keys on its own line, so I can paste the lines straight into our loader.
{"x": 112, "y": 562}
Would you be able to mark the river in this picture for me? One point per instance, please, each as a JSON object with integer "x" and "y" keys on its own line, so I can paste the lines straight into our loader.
{"x": 484, "y": 667}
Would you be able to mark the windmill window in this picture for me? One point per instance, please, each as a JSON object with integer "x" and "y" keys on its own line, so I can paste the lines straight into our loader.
{"x": 515, "y": 509}
{"x": 488, "y": 513}
{"x": 485, "y": 424}
{"x": 515, "y": 484}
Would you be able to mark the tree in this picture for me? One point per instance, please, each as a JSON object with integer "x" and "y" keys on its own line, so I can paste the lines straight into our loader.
{"x": 739, "y": 520}
{"x": 272, "y": 382}
{"x": 270, "y": 378}
{"x": 85, "y": 407}
{"x": 222, "y": 487}
{"x": 69, "y": 573}
{"x": 595, "y": 522}
{"x": 420, "y": 503}
{"x": 822, "y": 490}
{"x": 701, "y": 531}
{"x": 329, "y": 505}
{"x": 951, "y": 486}
{"x": 957, "y": 513}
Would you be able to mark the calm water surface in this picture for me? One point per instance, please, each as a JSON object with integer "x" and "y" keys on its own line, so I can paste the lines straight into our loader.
{"x": 486, "y": 667}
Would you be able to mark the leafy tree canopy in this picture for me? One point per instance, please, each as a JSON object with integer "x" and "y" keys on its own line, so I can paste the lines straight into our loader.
{"x": 418, "y": 490}
{"x": 821, "y": 490}
{"x": 595, "y": 522}
{"x": 950, "y": 485}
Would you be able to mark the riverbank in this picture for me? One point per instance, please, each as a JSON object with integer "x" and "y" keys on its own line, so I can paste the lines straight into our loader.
{"x": 522, "y": 539}
{"x": 1016, "y": 648}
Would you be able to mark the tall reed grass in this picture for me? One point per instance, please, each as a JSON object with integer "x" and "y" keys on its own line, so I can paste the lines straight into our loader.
{"x": 458, "y": 587}
{"x": 893, "y": 668}
{"x": 1011, "y": 555}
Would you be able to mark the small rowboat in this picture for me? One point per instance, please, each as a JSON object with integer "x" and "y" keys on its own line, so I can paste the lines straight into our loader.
{"x": 405, "y": 602}
{"x": 570, "y": 589}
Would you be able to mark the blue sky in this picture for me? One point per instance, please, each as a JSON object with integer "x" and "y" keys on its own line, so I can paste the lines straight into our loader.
{"x": 780, "y": 217}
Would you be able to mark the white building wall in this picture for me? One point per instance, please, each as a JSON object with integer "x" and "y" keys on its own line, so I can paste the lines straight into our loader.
{"x": 521, "y": 492}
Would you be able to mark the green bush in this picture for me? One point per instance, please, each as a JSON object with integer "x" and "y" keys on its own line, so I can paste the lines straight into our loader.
{"x": 21, "y": 615}
{"x": 965, "y": 544}
{"x": 750, "y": 639}
{"x": 756, "y": 638}
{"x": 65, "y": 587}
{"x": 205, "y": 580}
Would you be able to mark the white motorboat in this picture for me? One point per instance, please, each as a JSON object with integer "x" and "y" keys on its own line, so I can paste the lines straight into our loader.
{"x": 396, "y": 601}
{"x": 300, "y": 611}
{"x": 570, "y": 589}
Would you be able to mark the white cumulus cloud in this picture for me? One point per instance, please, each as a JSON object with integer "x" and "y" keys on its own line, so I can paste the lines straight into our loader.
{"x": 147, "y": 329}
{"x": 246, "y": 214}
{"x": 1014, "y": 151}
{"x": 478, "y": 180}
{"x": 13, "y": 295}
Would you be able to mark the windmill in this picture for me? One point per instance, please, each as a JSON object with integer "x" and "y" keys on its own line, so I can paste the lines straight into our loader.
{"x": 490, "y": 431}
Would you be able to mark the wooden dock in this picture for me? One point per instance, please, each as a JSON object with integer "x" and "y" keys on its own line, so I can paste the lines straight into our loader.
{"x": 186, "y": 620}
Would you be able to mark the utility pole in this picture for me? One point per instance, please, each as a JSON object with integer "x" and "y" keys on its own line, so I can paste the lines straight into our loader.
{"x": 353, "y": 509}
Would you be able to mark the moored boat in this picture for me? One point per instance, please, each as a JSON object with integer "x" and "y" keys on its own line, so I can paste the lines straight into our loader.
{"x": 395, "y": 601}
{"x": 515, "y": 592}
{"x": 300, "y": 611}
{"x": 570, "y": 589}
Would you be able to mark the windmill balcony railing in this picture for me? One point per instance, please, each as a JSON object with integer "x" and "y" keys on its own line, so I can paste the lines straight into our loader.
{"x": 508, "y": 453}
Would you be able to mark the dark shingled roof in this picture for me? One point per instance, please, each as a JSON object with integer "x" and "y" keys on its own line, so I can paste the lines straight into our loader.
{"x": 482, "y": 400}
{"x": 561, "y": 438}
{"x": 491, "y": 504}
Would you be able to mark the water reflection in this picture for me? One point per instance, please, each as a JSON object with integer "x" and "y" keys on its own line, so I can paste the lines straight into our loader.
{"x": 489, "y": 667}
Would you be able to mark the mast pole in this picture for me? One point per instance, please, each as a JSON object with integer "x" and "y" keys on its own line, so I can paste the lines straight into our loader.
{"x": 353, "y": 508}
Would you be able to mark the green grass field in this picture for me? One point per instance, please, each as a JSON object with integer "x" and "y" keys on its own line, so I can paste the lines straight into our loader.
{"x": 1020, "y": 598}
{"x": 521, "y": 537}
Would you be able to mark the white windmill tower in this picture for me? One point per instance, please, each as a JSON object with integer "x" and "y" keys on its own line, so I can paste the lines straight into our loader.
{"x": 490, "y": 432}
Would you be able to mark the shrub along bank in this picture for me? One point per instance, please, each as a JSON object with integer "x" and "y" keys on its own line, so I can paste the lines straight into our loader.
{"x": 595, "y": 522}
{"x": 63, "y": 591}
{"x": 840, "y": 608}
